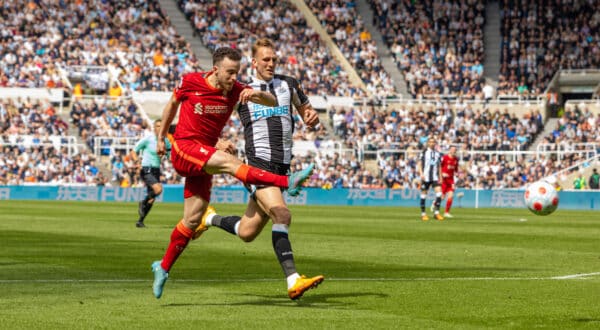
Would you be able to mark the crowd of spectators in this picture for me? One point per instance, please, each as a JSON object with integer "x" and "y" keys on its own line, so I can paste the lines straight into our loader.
{"x": 134, "y": 37}
{"x": 20, "y": 117}
{"x": 34, "y": 146}
{"x": 455, "y": 123}
{"x": 541, "y": 37}
{"x": 577, "y": 125}
{"x": 347, "y": 28}
{"x": 438, "y": 45}
{"x": 42, "y": 164}
{"x": 103, "y": 117}
{"x": 397, "y": 136}
{"x": 300, "y": 50}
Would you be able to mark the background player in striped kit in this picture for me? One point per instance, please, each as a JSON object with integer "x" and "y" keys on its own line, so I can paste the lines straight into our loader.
{"x": 429, "y": 171}
{"x": 268, "y": 134}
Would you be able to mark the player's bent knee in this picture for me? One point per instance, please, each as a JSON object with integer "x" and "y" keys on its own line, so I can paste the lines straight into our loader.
{"x": 192, "y": 221}
{"x": 247, "y": 236}
{"x": 281, "y": 215}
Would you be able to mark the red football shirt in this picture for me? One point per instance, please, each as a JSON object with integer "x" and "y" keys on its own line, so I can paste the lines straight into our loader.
{"x": 449, "y": 166}
{"x": 204, "y": 109}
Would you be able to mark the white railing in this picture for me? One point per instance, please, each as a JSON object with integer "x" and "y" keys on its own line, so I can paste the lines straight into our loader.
{"x": 109, "y": 145}
{"x": 565, "y": 171}
{"x": 102, "y": 99}
{"x": 589, "y": 149}
{"x": 509, "y": 155}
{"x": 592, "y": 105}
{"x": 53, "y": 95}
{"x": 56, "y": 141}
{"x": 537, "y": 100}
{"x": 389, "y": 148}
{"x": 328, "y": 148}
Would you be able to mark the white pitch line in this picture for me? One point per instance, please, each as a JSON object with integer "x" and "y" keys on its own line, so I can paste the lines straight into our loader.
{"x": 568, "y": 277}
{"x": 360, "y": 279}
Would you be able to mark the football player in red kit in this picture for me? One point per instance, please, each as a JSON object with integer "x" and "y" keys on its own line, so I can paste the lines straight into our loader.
{"x": 449, "y": 165}
{"x": 205, "y": 101}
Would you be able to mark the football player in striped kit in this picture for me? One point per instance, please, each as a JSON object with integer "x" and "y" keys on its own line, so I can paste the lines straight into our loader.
{"x": 268, "y": 134}
{"x": 429, "y": 171}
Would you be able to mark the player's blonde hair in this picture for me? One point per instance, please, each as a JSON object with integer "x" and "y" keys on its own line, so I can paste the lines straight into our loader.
{"x": 264, "y": 42}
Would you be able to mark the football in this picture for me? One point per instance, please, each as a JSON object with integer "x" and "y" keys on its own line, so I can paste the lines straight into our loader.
{"x": 541, "y": 198}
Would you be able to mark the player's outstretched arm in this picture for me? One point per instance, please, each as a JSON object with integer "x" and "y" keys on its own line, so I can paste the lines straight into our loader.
{"x": 168, "y": 115}
{"x": 309, "y": 115}
{"x": 257, "y": 96}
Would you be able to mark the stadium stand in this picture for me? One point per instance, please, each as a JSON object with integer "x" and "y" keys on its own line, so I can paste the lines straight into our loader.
{"x": 301, "y": 52}
{"x": 35, "y": 147}
{"x": 538, "y": 39}
{"x": 347, "y": 28}
{"x": 134, "y": 38}
{"x": 438, "y": 45}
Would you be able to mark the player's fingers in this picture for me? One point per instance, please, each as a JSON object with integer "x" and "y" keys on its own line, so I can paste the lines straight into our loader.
{"x": 243, "y": 99}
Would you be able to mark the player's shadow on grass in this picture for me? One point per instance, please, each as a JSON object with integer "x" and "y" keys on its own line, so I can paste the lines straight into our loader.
{"x": 312, "y": 300}
{"x": 586, "y": 320}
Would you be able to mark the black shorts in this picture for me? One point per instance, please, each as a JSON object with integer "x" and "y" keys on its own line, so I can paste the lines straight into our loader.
{"x": 151, "y": 176}
{"x": 275, "y": 168}
{"x": 427, "y": 184}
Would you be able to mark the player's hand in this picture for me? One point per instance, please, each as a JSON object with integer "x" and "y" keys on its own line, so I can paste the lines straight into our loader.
{"x": 161, "y": 150}
{"x": 225, "y": 145}
{"x": 444, "y": 175}
{"x": 246, "y": 94}
{"x": 311, "y": 118}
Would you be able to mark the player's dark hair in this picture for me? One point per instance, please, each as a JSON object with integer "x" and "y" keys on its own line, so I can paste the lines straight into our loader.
{"x": 264, "y": 42}
{"x": 221, "y": 53}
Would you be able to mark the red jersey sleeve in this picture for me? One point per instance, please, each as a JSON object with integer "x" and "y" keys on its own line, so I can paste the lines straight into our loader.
{"x": 183, "y": 87}
{"x": 238, "y": 87}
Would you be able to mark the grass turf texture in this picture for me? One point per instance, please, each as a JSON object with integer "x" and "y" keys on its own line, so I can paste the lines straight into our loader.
{"x": 85, "y": 265}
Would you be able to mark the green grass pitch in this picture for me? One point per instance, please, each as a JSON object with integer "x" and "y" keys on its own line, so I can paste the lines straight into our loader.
{"x": 78, "y": 265}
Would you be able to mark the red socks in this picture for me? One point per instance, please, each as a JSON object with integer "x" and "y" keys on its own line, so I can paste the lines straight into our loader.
{"x": 252, "y": 175}
{"x": 180, "y": 238}
{"x": 448, "y": 205}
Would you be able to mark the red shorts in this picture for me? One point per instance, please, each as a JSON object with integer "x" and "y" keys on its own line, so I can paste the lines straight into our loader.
{"x": 188, "y": 158}
{"x": 447, "y": 186}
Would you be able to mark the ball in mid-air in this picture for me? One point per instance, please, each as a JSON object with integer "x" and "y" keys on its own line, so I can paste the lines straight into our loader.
{"x": 541, "y": 198}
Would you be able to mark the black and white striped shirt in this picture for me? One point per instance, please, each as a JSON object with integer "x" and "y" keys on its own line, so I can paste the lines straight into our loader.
{"x": 268, "y": 130}
{"x": 430, "y": 165}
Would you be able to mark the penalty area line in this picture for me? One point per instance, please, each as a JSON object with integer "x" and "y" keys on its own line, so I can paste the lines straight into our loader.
{"x": 330, "y": 279}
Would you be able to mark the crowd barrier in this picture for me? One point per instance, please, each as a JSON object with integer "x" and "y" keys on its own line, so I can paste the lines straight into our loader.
{"x": 575, "y": 200}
